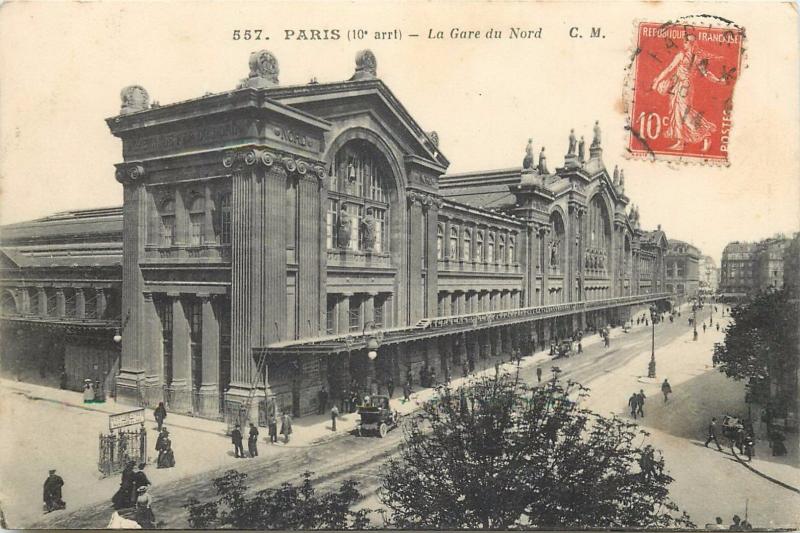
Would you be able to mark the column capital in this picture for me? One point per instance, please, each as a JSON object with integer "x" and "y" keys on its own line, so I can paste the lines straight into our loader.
{"x": 255, "y": 156}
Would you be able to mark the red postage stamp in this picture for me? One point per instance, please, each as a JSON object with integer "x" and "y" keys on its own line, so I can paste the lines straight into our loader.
{"x": 683, "y": 78}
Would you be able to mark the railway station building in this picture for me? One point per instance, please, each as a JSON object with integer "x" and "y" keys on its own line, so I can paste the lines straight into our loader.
{"x": 315, "y": 228}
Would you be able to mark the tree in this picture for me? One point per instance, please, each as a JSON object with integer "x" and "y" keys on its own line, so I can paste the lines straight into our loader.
{"x": 761, "y": 344}
{"x": 287, "y": 507}
{"x": 501, "y": 455}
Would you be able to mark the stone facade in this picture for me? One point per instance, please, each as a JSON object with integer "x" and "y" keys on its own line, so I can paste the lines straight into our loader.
{"x": 683, "y": 269}
{"x": 313, "y": 227}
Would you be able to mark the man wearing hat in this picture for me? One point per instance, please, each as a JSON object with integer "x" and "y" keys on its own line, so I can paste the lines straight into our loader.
{"x": 52, "y": 492}
{"x": 236, "y": 439}
{"x": 166, "y": 457}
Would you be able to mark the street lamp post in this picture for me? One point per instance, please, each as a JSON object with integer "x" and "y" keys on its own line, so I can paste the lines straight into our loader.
{"x": 694, "y": 319}
{"x": 651, "y": 367}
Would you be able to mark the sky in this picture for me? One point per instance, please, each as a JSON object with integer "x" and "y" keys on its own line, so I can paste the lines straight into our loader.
{"x": 62, "y": 66}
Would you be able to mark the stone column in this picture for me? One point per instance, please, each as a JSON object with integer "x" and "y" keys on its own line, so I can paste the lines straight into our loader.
{"x": 307, "y": 294}
{"x": 101, "y": 303}
{"x": 447, "y": 308}
{"x": 369, "y": 308}
{"x": 42, "y": 297}
{"x": 258, "y": 264}
{"x": 61, "y": 307}
{"x": 432, "y": 264}
{"x": 132, "y": 364}
{"x": 209, "y": 388}
{"x": 181, "y": 387}
{"x": 153, "y": 380}
{"x": 544, "y": 259}
{"x": 415, "y": 310}
{"x": 343, "y": 313}
{"x": 80, "y": 303}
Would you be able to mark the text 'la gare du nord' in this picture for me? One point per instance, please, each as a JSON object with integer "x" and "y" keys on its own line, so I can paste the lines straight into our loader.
{"x": 397, "y": 34}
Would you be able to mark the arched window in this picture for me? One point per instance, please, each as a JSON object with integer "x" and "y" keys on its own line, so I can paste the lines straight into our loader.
{"x": 167, "y": 222}
{"x": 453, "y": 252}
{"x": 557, "y": 244}
{"x": 466, "y": 249}
{"x": 490, "y": 249}
{"x": 7, "y": 304}
{"x": 225, "y": 219}
{"x": 512, "y": 258}
{"x": 439, "y": 242}
{"x": 359, "y": 186}
{"x": 501, "y": 249}
{"x": 479, "y": 247}
{"x": 197, "y": 217}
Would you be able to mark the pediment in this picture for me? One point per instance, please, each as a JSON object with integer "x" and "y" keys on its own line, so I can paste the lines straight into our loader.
{"x": 339, "y": 102}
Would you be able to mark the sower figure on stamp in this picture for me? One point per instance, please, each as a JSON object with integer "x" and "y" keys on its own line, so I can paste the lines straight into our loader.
{"x": 686, "y": 124}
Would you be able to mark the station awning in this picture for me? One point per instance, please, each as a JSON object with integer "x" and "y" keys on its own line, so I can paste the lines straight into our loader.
{"x": 429, "y": 328}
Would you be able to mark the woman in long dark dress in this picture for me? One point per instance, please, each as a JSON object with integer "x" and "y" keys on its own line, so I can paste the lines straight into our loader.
{"x": 124, "y": 495}
{"x": 166, "y": 457}
{"x": 144, "y": 509}
{"x": 139, "y": 479}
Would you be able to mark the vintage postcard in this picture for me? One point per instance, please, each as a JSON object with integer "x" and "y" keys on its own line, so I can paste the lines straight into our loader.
{"x": 399, "y": 265}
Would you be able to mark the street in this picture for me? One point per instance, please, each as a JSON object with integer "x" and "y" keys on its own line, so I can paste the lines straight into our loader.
{"x": 707, "y": 483}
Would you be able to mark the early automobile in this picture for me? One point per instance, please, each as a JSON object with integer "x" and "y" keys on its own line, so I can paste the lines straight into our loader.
{"x": 376, "y": 416}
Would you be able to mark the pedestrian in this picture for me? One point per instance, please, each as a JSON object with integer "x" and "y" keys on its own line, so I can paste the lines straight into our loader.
{"x": 410, "y": 379}
{"x": 717, "y": 525}
{"x": 539, "y": 374}
{"x": 160, "y": 414}
{"x": 666, "y": 389}
{"x": 640, "y": 398}
{"x": 633, "y": 403}
{"x": 166, "y": 457}
{"x": 322, "y": 401}
{"x": 717, "y": 326}
{"x": 144, "y": 509}
{"x": 464, "y": 369}
{"x": 406, "y": 391}
{"x": 236, "y": 439}
{"x": 88, "y": 391}
{"x": 286, "y": 427}
{"x": 704, "y": 327}
{"x": 123, "y": 497}
{"x": 712, "y": 433}
{"x": 252, "y": 441}
{"x": 580, "y": 347}
{"x": 160, "y": 439}
{"x": 273, "y": 429}
{"x": 138, "y": 480}
{"x": 51, "y": 493}
{"x": 736, "y": 525}
{"x": 334, "y": 416}
{"x": 390, "y": 386}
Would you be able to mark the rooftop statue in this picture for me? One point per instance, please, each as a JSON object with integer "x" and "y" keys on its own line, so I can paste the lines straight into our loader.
{"x": 581, "y": 150}
{"x": 527, "y": 162}
{"x": 572, "y": 142}
{"x": 543, "y": 163}
{"x": 597, "y": 135}
{"x": 264, "y": 70}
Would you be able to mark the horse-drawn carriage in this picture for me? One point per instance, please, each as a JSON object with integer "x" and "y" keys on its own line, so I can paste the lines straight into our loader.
{"x": 376, "y": 416}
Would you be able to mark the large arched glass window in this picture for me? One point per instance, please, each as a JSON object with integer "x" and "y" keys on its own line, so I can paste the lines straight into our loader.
{"x": 557, "y": 245}
{"x": 466, "y": 249}
{"x": 167, "y": 222}
{"x": 490, "y": 249}
{"x": 453, "y": 252}
{"x": 358, "y": 205}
